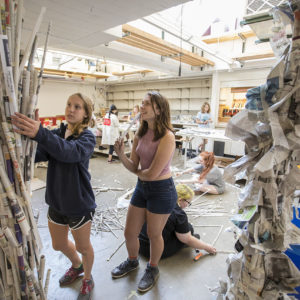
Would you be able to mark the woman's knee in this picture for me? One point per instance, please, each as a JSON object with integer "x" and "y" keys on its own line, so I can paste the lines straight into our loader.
{"x": 84, "y": 249}
{"x": 154, "y": 235}
{"x": 59, "y": 246}
{"x": 129, "y": 234}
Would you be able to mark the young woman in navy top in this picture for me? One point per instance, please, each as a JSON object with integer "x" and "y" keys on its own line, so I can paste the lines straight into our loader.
{"x": 155, "y": 195}
{"x": 68, "y": 193}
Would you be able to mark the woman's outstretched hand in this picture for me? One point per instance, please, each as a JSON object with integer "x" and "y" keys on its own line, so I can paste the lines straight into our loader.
{"x": 25, "y": 125}
{"x": 119, "y": 146}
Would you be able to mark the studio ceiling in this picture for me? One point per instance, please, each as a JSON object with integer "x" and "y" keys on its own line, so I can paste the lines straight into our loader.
{"x": 84, "y": 27}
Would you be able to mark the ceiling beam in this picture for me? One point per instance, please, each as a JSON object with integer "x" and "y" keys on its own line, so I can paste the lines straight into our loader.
{"x": 175, "y": 30}
{"x": 229, "y": 37}
{"x": 255, "y": 56}
{"x": 131, "y": 72}
{"x": 146, "y": 41}
{"x": 72, "y": 73}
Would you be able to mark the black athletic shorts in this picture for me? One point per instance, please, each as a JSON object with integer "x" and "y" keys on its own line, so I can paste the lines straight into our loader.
{"x": 73, "y": 222}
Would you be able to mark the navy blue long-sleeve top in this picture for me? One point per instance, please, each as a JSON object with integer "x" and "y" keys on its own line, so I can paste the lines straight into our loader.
{"x": 68, "y": 190}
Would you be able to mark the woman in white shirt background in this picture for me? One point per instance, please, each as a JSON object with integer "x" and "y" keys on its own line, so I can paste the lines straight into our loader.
{"x": 203, "y": 120}
{"x": 110, "y": 130}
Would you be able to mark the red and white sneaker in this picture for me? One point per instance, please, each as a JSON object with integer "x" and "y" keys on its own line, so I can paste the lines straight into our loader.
{"x": 70, "y": 275}
{"x": 86, "y": 289}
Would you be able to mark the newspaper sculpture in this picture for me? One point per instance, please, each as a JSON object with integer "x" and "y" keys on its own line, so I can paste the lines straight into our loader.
{"x": 20, "y": 244}
{"x": 270, "y": 128}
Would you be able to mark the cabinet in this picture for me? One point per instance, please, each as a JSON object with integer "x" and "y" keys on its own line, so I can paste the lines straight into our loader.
{"x": 232, "y": 101}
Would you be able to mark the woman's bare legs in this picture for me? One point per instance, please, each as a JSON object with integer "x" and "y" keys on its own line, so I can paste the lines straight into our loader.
{"x": 135, "y": 219}
{"x": 60, "y": 242}
{"x": 155, "y": 226}
{"x": 84, "y": 247}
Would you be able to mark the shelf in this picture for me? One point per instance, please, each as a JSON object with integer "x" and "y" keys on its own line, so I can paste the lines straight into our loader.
{"x": 224, "y": 119}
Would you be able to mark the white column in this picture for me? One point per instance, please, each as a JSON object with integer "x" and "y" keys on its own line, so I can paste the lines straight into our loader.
{"x": 215, "y": 95}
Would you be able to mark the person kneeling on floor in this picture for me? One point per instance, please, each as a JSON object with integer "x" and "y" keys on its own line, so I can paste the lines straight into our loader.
{"x": 178, "y": 232}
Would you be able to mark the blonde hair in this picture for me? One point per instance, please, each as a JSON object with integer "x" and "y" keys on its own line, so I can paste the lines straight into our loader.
{"x": 88, "y": 107}
{"x": 136, "y": 106}
{"x": 184, "y": 192}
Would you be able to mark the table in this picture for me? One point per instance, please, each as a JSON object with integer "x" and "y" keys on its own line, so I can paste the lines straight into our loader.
{"x": 210, "y": 134}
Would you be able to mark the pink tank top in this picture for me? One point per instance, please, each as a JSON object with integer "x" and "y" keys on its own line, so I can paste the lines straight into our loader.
{"x": 146, "y": 149}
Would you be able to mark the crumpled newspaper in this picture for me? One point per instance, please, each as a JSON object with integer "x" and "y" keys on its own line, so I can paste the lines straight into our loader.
{"x": 270, "y": 128}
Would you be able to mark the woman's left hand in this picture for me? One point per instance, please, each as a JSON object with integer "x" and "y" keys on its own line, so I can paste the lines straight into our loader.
{"x": 25, "y": 125}
{"x": 119, "y": 146}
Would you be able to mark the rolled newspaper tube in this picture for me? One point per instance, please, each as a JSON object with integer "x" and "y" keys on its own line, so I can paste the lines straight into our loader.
{"x": 10, "y": 237}
{"x": 16, "y": 208}
{"x": 42, "y": 294}
{"x": 43, "y": 60}
{"x": 9, "y": 273}
{"x": 21, "y": 269}
{"x": 2, "y": 285}
{"x": 21, "y": 219}
{"x": 2, "y": 105}
{"x": 9, "y": 39}
{"x": 18, "y": 42}
{"x": 18, "y": 233}
{"x": 30, "y": 253}
{"x": 16, "y": 282}
{"x": 4, "y": 202}
{"x": 31, "y": 39}
{"x": 25, "y": 91}
{"x": 130, "y": 125}
{"x": 42, "y": 268}
{"x": 36, "y": 284}
{"x": 7, "y": 73}
{"x": 30, "y": 284}
{"x": 21, "y": 182}
{"x": 13, "y": 28}
{"x": 2, "y": 266}
{"x": 4, "y": 244}
{"x": 47, "y": 282}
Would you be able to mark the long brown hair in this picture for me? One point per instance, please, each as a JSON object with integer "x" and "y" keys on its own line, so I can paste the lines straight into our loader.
{"x": 88, "y": 107}
{"x": 208, "y": 161}
{"x": 162, "y": 121}
{"x": 203, "y": 106}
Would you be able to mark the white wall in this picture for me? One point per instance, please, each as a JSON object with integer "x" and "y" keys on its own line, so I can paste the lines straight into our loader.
{"x": 54, "y": 95}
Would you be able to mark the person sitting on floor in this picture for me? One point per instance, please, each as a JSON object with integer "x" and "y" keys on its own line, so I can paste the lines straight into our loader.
{"x": 210, "y": 178}
{"x": 178, "y": 232}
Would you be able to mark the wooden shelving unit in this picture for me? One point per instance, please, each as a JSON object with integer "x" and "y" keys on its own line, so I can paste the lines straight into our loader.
{"x": 183, "y": 95}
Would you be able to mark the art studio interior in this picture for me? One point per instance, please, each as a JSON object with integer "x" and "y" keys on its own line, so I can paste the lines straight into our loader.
{"x": 150, "y": 149}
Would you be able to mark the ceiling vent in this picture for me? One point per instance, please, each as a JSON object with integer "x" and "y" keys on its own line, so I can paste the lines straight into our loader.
{"x": 255, "y": 6}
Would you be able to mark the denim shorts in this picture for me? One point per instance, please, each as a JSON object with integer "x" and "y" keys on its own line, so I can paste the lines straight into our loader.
{"x": 73, "y": 222}
{"x": 158, "y": 197}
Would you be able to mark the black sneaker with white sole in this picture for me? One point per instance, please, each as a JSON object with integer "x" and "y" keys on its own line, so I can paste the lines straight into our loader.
{"x": 149, "y": 278}
{"x": 124, "y": 268}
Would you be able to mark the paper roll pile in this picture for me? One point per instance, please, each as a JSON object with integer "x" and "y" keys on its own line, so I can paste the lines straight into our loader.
{"x": 269, "y": 127}
{"x": 21, "y": 264}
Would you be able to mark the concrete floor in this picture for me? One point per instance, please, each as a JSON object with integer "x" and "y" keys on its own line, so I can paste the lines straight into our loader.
{"x": 180, "y": 277}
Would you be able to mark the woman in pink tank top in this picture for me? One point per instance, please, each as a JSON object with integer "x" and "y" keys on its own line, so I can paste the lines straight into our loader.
{"x": 155, "y": 195}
